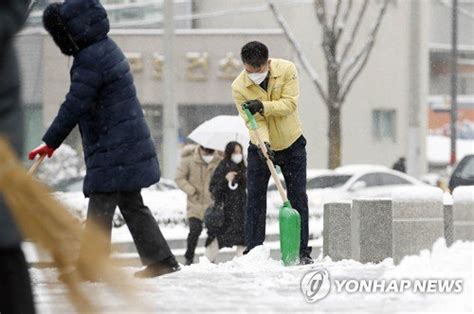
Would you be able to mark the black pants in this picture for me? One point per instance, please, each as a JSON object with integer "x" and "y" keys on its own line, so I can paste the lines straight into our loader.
{"x": 292, "y": 162}
{"x": 15, "y": 285}
{"x": 151, "y": 245}
{"x": 195, "y": 229}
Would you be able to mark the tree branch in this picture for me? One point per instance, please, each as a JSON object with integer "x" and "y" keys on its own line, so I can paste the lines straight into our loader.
{"x": 327, "y": 43}
{"x": 355, "y": 30}
{"x": 345, "y": 88}
{"x": 335, "y": 16}
{"x": 345, "y": 17}
{"x": 299, "y": 52}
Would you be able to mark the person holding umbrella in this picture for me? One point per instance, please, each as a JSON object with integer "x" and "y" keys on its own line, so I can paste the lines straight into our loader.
{"x": 228, "y": 188}
{"x": 269, "y": 88}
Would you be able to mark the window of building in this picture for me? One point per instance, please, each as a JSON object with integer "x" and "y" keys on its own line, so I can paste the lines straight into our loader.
{"x": 384, "y": 125}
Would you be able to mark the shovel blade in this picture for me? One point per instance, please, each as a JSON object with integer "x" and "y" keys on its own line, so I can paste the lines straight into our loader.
{"x": 290, "y": 234}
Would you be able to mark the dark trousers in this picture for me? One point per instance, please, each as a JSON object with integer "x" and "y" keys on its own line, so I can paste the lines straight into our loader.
{"x": 195, "y": 229}
{"x": 292, "y": 162}
{"x": 15, "y": 285}
{"x": 151, "y": 245}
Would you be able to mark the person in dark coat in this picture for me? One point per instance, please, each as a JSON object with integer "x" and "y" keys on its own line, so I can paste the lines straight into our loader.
{"x": 399, "y": 165}
{"x": 119, "y": 152}
{"x": 228, "y": 188}
{"x": 15, "y": 286}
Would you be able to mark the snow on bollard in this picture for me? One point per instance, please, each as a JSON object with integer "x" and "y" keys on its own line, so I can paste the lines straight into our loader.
{"x": 463, "y": 213}
{"x": 418, "y": 220}
{"x": 371, "y": 230}
{"x": 337, "y": 230}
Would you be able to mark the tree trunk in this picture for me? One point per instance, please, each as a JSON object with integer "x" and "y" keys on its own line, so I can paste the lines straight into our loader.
{"x": 334, "y": 136}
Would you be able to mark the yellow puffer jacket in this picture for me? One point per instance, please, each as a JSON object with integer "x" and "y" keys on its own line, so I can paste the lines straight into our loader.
{"x": 280, "y": 126}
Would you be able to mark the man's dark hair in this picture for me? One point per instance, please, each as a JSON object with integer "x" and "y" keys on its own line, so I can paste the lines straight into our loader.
{"x": 254, "y": 53}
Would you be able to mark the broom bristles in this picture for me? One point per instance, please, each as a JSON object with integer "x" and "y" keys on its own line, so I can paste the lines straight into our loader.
{"x": 44, "y": 220}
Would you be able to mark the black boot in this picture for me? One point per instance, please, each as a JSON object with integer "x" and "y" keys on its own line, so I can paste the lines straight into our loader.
{"x": 188, "y": 262}
{"x": 305, "y": 256}
{"x": 164, "y": 267}
{"x": 306, "y": 260}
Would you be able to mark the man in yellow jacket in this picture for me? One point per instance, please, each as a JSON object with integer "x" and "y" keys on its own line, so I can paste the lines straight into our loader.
{"x": 271, "y": 90}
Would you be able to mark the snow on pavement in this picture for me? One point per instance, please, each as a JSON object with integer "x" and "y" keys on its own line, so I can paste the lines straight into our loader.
{"x": 256, "y": 283}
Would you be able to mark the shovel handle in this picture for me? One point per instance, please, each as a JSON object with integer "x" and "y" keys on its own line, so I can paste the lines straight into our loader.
{"x": 36, "y": 164}
{"x": 263, "y": 147}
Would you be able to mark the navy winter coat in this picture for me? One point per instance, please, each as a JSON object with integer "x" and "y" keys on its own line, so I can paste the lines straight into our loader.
{"x": 118, "y": 148}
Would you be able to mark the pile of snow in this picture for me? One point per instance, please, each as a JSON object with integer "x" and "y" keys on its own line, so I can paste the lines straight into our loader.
{"x": 64, "y": 164}
{"x": 464, "y": 194}
{"x": 166, "y": 206}
{"x": 455, "y": 262}
{"x": 258, "y": 258}
{"x": 258, "y": 283}
{"x": 417, "y": 194}
{"x": 439, "y": 262}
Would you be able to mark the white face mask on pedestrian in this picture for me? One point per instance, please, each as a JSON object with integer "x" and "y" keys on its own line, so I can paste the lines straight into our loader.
{"x": 207, "y": 158}
{"x": 258, "y": 78}
{"x": 237, "y": 158}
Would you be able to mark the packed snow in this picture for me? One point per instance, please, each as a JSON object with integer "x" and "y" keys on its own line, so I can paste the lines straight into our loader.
{"x": 418, "y": 194}
{"x": 257, "y": 283}
{"x": 464, "y": 194}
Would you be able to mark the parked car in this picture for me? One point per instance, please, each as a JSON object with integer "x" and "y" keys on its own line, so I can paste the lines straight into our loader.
{"x": 349, "y": 182}
{"x": 310, "y": 174}
{"x": 463, "y": 174}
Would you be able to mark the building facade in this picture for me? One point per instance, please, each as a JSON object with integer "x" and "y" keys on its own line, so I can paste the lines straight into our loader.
{"x": 383, "y": 118}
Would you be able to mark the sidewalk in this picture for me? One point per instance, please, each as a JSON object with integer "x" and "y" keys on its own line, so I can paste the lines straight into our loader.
{"x": 124, "y": 252}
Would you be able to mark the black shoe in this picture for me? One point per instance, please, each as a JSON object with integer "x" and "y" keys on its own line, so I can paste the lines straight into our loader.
{"x": 167, "y": 266}
{"x": 306, "y": 260}
{"x": 188, "y": 262}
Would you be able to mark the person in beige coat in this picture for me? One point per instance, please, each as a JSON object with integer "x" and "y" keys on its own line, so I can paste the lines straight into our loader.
{"x": 193, "y": 178}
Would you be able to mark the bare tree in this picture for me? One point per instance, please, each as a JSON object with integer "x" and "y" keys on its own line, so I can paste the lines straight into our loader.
{"x": 344, "y": 63}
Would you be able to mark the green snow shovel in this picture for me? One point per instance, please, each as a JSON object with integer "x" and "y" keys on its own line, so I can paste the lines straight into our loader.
{"x": 290, "y": 221}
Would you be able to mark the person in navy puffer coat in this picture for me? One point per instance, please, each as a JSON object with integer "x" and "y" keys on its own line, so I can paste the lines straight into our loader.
{"x": 119, "y": 152}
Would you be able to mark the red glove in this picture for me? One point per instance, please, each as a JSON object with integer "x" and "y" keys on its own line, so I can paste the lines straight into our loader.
{"x": 41, "y": 150}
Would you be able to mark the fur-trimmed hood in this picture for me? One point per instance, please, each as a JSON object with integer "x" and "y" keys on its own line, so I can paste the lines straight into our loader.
{"x": 76, "y": 24}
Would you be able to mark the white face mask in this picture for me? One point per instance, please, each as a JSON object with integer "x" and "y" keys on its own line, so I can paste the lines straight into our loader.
{"x": 258, "y": 78}
{"x": 237, "y": 158}
{"x": 207, "y": 158}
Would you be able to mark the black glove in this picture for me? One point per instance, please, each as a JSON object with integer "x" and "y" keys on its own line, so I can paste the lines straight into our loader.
{"x": 254, "y": 106}
{"x": 270, "y": 153}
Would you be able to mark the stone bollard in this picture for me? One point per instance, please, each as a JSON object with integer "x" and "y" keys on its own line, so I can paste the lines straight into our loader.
{"x": 371, "y": 230}
{"x": 463, "y": 213}
{"x": 337, "y": 230}
{"x": 448, "y": 223}
{"x": 417, "y": 220}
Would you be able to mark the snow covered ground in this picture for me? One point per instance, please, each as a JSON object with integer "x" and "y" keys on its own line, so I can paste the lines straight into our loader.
{"x": 257, "y": 283}
{"x": 166, "y": 206}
